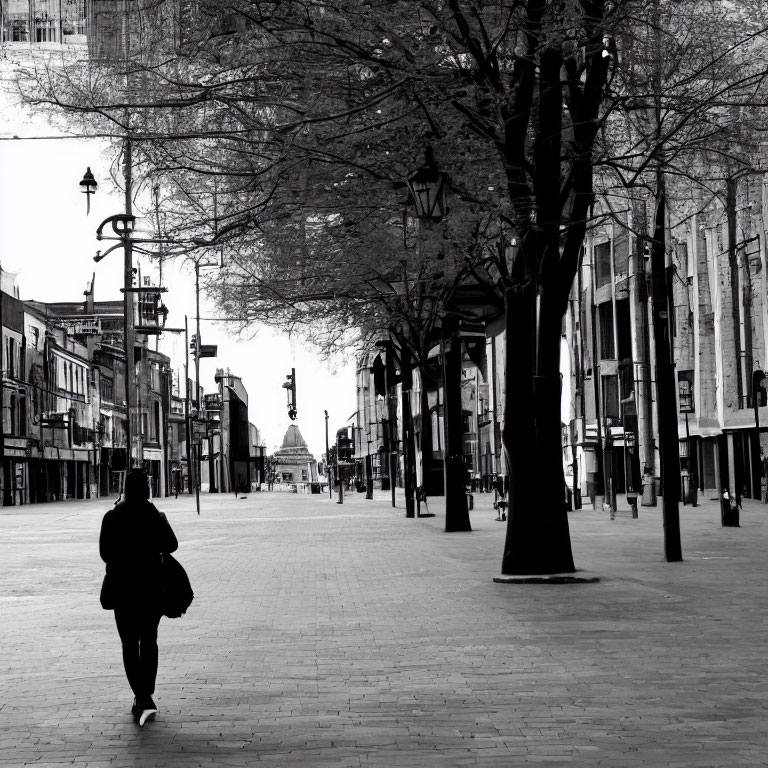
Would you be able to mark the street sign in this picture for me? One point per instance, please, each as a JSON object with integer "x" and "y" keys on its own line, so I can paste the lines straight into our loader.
{"x": 89, "y": 325}
{"x": 212, "y": 402}
{"x": 208, "y": 350}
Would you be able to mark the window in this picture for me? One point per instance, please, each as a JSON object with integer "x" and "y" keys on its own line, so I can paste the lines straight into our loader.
{"x": 624, "y": 329}
{"x": 22, "y": 416}
{"x": 610, "y": 392}
{"x": 602, "y": 264}
{"x": 34, "y": 336}
{"x": 12, "y": 416}
{"x": 605, "y": 328}
{"x": 107, "y": 389}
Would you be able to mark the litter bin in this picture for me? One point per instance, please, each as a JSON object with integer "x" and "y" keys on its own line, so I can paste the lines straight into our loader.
{"x": 315, "y": 487}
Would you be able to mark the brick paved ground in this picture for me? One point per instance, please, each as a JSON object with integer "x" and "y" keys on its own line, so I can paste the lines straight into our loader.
{"x": 328, "y": 635}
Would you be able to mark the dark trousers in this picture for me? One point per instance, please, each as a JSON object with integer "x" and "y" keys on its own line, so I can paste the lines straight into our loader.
{"x": 137, "y": 627}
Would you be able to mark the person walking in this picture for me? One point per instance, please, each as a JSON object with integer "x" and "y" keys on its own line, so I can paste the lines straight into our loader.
{"x": 134, "y": 536}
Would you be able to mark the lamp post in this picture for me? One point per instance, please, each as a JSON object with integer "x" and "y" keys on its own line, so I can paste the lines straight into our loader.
{"x": 196, "y": 350}
{"x": 328, "y": 458}
{"x": 122, "y": 225}
{"x": 759, "y": 384}
{"x": 428, "y": 187}
{"x": 685, "y": 395}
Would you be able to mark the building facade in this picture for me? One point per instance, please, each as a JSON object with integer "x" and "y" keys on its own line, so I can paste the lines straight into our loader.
{"x": 718, "y": 326}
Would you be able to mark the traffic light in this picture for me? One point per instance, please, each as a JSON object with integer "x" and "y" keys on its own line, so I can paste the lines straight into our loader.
{"x": 290, "y": 385}
{"x": 193, "y": 344}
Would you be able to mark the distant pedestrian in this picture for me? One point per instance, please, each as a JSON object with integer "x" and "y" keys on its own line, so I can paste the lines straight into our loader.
{"x": 134, "y": 535}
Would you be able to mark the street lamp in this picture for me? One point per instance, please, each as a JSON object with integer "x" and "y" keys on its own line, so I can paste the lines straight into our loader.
{"x": 89, "y": 187}
{"x": 685, "y": 396}
{"x": 759, "y": 383}
{"x": 428, "y": 186}
{"x": 328, "y": 457}
{"x": 122, "y": 225}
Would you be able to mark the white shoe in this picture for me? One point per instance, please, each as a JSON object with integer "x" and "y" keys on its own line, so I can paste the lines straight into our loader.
{"x": 147, "y": 714}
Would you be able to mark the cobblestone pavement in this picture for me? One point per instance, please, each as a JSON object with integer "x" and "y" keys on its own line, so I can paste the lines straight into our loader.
{"x": 348, "y": 635}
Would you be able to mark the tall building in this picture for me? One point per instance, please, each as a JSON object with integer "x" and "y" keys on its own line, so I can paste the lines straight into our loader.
{"x": 44, "y": 21}
{"x": 718, "y": 326}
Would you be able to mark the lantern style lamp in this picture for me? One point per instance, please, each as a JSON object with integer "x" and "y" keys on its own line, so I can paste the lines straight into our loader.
{"x": 88, "y": 187}
{"x": 428, "y": 187}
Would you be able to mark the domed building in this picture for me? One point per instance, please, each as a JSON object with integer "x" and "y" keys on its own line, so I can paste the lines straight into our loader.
{"x": 292, "y": 462}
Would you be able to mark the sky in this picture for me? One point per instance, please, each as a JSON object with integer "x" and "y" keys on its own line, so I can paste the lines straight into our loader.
{"x": 48, "y": 241}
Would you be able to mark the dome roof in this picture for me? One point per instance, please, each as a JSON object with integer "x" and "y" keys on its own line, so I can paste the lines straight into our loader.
{"x": 293, "y": 438}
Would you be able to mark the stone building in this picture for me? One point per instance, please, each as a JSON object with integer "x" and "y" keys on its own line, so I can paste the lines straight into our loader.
{"x": 292, "y": 462}
{"x": 718, "y": 325}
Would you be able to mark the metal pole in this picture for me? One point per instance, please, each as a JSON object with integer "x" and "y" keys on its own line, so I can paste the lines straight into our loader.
{"x": 328, "y": 458}
{"x": 198, "y": 445}
{"x": 186, "y": 404}
{"x": 691, "y": 473}
{"x": 197, "y": 331}
{"x": 757, "y": 377}
{"x": 128, "y": 335}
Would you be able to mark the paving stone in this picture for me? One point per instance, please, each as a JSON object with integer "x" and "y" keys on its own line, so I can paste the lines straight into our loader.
{"x": 353, "y": 637}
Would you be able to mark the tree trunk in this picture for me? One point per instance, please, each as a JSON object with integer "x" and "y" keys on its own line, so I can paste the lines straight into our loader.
{"x": 665, "y": 386}
{"x": 409, "y": 451}
{"x": 733, "y": 266}
{"x": 427, "y": 461}
{"x": 456, "y": 512}
{"x": 538, "y": 539}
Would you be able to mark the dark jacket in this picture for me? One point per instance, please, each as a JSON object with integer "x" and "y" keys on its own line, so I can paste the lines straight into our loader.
{"x": 132, "y": 538}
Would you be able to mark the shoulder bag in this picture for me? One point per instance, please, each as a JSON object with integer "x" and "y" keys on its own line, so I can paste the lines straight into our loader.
{"x": 107, "y": 595}
{"x": 177, "y": 594}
